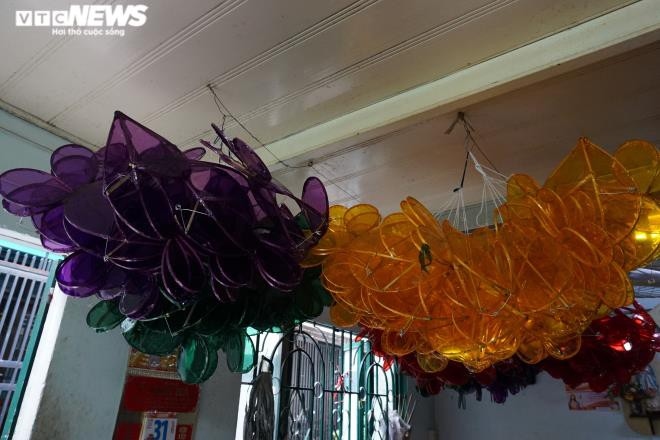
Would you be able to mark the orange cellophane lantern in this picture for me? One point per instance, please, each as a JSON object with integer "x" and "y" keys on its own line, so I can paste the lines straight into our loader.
{"x": 556, "y": 259}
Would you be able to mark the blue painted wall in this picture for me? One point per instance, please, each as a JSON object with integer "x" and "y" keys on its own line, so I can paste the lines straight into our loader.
{"x": 23, "y": 145}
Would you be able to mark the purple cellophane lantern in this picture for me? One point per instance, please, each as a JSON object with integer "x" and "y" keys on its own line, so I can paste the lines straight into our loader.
{"x": 145, "y": 222}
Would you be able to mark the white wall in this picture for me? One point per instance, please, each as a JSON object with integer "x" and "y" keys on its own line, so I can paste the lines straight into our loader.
{"x": 82, "y": 389}
{"x": 218, "y": 405}
{"x": 423, "y": 419}
{"x": 539, "y": 412}
{"x": 23, "y": 145}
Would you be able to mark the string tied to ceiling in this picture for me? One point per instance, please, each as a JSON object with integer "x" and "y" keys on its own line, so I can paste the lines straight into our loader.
{"x": 226, "y": 113}
{"x": 493, "y": 183}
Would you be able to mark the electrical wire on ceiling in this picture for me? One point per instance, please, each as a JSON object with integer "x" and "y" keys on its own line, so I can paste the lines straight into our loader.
{"x": 225, "y": 112}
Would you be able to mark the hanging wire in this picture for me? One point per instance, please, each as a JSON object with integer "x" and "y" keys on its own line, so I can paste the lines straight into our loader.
{"x": 27, "y": 227}
{"x": 339, "y": 187}
{"x": 494, "y": 188}
{"x": 225, "y": 112}
{"x": 494, "y": 182}
{"x": 469, "y": 135}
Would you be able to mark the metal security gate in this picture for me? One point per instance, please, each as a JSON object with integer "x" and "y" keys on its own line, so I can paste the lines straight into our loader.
{"x": 327, "y": 385}
{"x": 26, "y": 276}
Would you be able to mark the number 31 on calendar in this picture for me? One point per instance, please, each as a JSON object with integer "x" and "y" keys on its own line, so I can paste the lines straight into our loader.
{"x": 158, "y": 428}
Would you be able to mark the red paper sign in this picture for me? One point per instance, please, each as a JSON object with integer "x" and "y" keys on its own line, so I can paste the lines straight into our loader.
{"x": 131, "y": 431}
{"x": 184, "y": 432}
{"x": 127, "y": 431}
{"x": 155, "y": 394}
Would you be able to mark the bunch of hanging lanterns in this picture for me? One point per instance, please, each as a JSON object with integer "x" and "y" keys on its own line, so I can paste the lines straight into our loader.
{"x": 614, "y": 348}
{"x": 501, "y": 379}
{"x": 188, "y": 255}
{"x": 185, "y": 254}
{"x": 556, "y": 259}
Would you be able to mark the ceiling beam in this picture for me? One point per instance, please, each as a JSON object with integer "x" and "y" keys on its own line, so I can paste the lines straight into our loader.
{"x": 35, "y": 120}
{"x": 612, "y": 34}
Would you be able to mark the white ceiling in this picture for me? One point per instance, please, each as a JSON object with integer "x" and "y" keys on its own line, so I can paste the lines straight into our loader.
{"x": 287, "y": 65}
{"x": 525, "y": 131}
{"x": 280, "y": 66}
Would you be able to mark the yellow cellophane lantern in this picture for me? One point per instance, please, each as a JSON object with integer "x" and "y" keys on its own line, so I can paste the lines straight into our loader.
{"x": 557, "y": 259}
